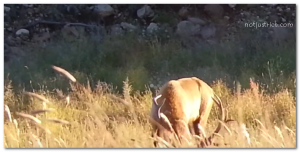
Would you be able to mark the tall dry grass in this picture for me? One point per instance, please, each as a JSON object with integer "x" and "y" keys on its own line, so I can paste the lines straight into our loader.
{"x": 100, "y": 118}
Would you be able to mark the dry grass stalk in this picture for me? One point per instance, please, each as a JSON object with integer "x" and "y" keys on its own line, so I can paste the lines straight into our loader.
{"x": 55, "y": 120}
{"x": 8, "y": 114}
{"x": 268, "y": 139}
{"x": 255, "y": 88}
{"x": 15, "y": 123}
{"x": 37, "y": 96}
{"x": 216, "y": 134}
{"x": 43, "y": 128}
{"x": 44, "y": 105}
{"x": 163, "y": 116}
{"x": 226, "y": 128}
{"x": 279, "y": 133}
{"x": 16, "y": 127}
{"x": 246, "y": 134}
{"x": 62, "y": 141}
{"x": 30, "y": 117}
{"x": 120, "y": 100}
{"x": 67, "y": 100}
{"x": 258, "y": 144}
{"x": 37, "y": 141}
{"x": 290, "y": 130}
{"x": 197, "y": 137}
{"x": 15, "y": 139}
{"x": 165, "y": 142}
{"x": 202, "y": 131}
{"x": 187, "y": 141}
{"x": 137, "y": 146}
{"x": 64, "y": 72}
{"x": 156, "y": 123}
{"x": 35, "y": 112}
{"x": 165, "y": 119}
{"x": 259, "y": 122}
{"x": 56, "y": 140}
{"x": 5, "y": 145}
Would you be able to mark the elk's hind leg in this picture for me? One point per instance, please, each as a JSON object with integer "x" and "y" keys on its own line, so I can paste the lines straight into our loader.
{"x": 200, "y": 123}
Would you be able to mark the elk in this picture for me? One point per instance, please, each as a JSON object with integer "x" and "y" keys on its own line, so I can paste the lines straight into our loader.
{"x": 181, "y": 103}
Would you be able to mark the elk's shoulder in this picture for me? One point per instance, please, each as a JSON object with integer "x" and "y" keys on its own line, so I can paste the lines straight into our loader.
{"x": 170, "y": 88}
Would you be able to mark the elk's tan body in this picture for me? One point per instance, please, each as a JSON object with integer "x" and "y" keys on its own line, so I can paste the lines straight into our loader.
{"x": 184, "y": 101}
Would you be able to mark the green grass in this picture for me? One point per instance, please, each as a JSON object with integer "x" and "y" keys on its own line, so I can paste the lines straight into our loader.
{"x": 121, "y": 68}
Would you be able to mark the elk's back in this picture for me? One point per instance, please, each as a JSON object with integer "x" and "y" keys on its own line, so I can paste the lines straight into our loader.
{"x": 183, "y": 99}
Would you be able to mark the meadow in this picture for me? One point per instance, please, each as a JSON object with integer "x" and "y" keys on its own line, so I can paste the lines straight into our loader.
{"x": 257, "y": 85}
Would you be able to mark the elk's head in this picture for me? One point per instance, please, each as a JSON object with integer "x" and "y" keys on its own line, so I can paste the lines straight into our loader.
{"x": 163, "y": 128}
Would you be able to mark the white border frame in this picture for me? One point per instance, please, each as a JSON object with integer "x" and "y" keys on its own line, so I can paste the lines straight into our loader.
{"x": 128, "y": 2}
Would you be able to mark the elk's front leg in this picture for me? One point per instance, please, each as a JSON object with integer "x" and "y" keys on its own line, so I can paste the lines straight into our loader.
{"x": 154, "y": 135}
{"x": 182, "y": 130}
{"x": 198, "y": 129}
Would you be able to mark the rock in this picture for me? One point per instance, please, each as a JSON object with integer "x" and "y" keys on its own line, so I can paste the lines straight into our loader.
{"x": 252, "y": 5}
{"x": 212, "y": 42}
{"x": 22, "y": 32}
{"x": 104, "y": 10}
{"x": 71, "y": 8}
{"x": 183, "y": 12}
{"x": 208, "y": 32}
{"x": 9, "y": 29}
{"x": 196, "y": 20}
{"x": 152, "y": 85}
{"x": 279, "y": 9}
{"x": 232, "y": 5}
{"x": 283, "y": 19}
{"x": 145, "y": 11}
{"x": 187, "y": 28}
{"x": 70, "y": 31}
{"x": 28, "y": 5}
{"x": 128, "y": 26}
{"x": 226, "y": 17}
{"x": 6, "y": 9}
{"x": 9, "y": 40}
{"x": 281, "y": 33}
{"x": 214, "y": 10}
{"x": 116, "y": 29}
{"x": 274, "y": 18}
{"x": 152, "y": 28}
{"x": 41, "y": 37}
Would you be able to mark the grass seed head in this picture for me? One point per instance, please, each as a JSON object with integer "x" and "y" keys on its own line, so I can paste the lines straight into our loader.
{"x": 55, "y": 120}
{"x": 37, "y": 96}
{"x": 30, "y": 117}
{"x": 35, "y": 112}
{"x": 65, "y": 73}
